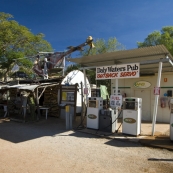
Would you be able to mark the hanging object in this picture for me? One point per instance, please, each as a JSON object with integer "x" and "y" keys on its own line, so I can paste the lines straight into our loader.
{"x": 15, "y": 68}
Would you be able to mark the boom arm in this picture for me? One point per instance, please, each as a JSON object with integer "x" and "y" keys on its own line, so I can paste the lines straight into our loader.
{"x": 42, "y": 67}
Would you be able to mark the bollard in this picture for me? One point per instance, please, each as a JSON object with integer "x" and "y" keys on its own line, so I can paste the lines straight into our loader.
{"x": 70, "y": 121}
{"x": 67, "y": 108}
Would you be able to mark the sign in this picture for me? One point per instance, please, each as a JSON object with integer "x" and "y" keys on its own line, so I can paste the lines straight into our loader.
{"x": 156, "y": 90}
{"x": 165, "y": 79}
{"x": 64, "y": 96}
{"x": 115, "y": 101}
{"x": 85, "y": 90}
{"x": 118, "y": 71}
{"x": 92, "y": 116}
{"x": 142, "y": 84}
{"x": 129, "y": 120}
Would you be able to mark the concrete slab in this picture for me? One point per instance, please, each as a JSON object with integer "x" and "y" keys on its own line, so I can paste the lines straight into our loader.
{"x": 162, "y": 142}
{"x": 161, "y": 138}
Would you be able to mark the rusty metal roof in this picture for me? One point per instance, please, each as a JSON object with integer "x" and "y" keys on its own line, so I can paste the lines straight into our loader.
{"x": 148, "y": 57}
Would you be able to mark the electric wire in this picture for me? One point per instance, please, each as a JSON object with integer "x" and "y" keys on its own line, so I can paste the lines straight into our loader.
{"x": 77, "y": 128}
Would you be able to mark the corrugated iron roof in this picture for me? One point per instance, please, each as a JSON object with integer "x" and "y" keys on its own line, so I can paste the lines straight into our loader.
{"x": 148, "y": 57}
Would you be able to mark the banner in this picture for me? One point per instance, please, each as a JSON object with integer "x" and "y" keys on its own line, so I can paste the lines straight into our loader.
{"x": 118, "y": 71}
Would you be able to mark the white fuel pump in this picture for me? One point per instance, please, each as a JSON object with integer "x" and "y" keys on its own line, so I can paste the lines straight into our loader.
{"x": 95, "y": 104}
{"x": 132, "y": 110}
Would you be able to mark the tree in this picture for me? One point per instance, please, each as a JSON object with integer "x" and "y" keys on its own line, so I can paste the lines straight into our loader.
{"x": 165, "y": 37}
{"x": 17, "y": 43}
{"x": 103, "y": 46}
{"x": 72, "y": 67}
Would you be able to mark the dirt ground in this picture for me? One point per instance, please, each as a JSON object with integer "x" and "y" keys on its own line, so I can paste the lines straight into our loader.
{"x": 47, "y": 147}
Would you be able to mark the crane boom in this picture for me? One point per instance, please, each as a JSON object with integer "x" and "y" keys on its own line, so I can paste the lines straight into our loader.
{"x": 53, "y": 59}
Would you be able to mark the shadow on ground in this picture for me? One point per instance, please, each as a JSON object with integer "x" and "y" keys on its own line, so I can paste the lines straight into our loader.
{"x": 158, "y": 142}
{"x": 122, "y": 143}
{"x": 17, "y": 132}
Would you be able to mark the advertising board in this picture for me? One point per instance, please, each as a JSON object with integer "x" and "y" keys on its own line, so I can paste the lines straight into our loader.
{"x": 118, "y": 71}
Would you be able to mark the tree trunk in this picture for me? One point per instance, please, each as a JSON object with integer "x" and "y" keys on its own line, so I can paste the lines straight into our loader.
{"x": 6, "y": 75}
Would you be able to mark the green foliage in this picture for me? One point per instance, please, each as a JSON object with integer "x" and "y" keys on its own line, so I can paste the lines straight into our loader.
{"x": 17, "y": 43}
{"x": 165, "y": 37}
{"x": 102, "y": 46}
{"x": 72, "y": 67}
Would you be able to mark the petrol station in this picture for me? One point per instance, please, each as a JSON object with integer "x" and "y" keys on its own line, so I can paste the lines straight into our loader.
{"x": 141, "y": 84}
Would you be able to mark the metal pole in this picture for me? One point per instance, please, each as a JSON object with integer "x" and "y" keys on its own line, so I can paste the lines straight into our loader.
{"x": 85, "y": 95}
{"x": 116, "y": 86}
{"x": 38, "y": 110}
{"x": 82, "y": 114}
{"x": 63, "y": 67}
{"x": 156, "y": 98}
{"x": 45, "y": 70}
{"x": 116, "y": 91}
{"x": 85, "y": 81}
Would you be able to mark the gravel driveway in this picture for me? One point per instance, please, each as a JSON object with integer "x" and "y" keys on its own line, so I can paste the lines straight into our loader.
{"x": 46, "y": 147}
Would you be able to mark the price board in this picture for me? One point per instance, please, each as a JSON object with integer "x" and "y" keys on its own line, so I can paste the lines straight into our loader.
{"x": 116, "y": 101}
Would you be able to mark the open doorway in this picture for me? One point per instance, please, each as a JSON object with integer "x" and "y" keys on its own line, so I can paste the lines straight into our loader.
{"x": 146, "y": 103}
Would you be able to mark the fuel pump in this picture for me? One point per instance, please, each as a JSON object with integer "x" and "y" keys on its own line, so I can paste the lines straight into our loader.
{"x": 108, "y": 117}
{"x": 132, "y": 111}
{"x": 95, "y": 104}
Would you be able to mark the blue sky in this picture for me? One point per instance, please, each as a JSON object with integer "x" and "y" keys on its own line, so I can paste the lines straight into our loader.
{"x": 70, "y": 22}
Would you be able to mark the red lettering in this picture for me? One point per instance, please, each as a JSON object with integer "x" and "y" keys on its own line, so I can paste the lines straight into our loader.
{"x": 133, "y": 73}
{"x": 100, "y": 75}
{"x": 107, "y": 75}
{"x": 117, "y": 98}
{"x": 124, "y": 74}
{"x": 116, "y": 74}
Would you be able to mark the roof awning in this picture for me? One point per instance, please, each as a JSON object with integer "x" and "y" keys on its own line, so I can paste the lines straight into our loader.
{"x": 27, "y": 86}
{"x": 23, "y": 87}
{"x": 148, "y": 57}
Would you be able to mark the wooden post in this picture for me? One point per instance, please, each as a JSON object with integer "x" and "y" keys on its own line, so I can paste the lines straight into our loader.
{"x": 37, "y": 102}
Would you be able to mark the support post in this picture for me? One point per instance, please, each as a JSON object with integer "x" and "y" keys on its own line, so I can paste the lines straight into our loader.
{"x": 85, "y": 84}
{"x": 85, "y": 95}
{"x": 116, "y": 92}
{"x": 156, "y": 98}
{"x": 37, "y": 100}
{"x": 82, "y": 104}
{"x": 63, "y": 72}
{"x": 116, "y": 86}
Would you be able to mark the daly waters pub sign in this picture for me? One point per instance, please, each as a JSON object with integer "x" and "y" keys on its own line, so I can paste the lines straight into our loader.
{"x": 118, "y": 71}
